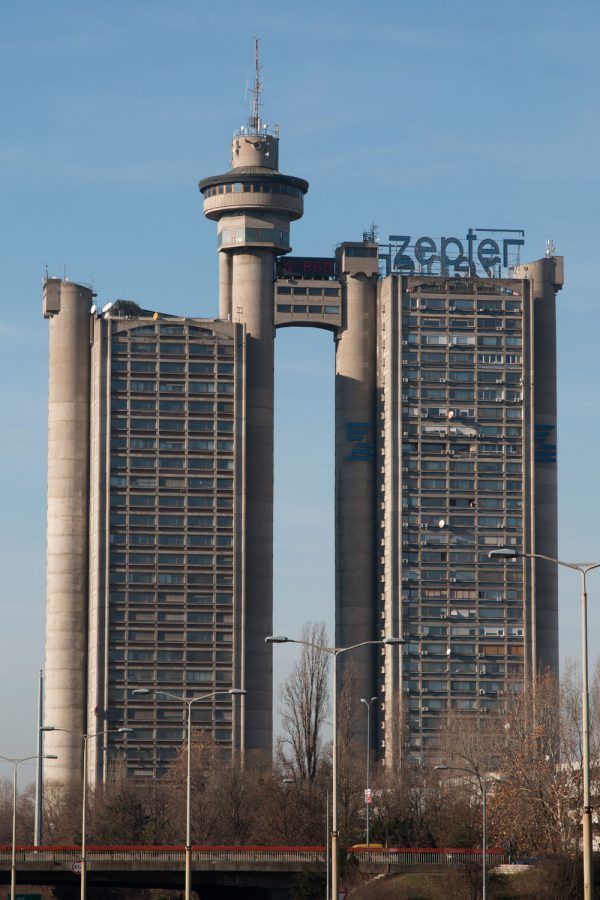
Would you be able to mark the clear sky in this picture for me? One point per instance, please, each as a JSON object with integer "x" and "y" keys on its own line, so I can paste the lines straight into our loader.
{"x": 427, "y": 116}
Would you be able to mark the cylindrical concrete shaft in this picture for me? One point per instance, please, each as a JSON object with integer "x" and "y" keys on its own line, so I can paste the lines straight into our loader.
{"x": 253, "y": 293}
{"x": 542, "y": 273}
{"x": 355, "y": 496}
{"x": 67, "y": 536}
{"x": 225, "y": 273}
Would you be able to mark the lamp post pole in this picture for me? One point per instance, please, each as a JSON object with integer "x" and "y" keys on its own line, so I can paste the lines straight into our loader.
{"x": 13, "y": 853}
{"x": 85, "y": 738}
{"x": 583, "y": 569}
{"x": 481, "y": 781}
{"x": 334, "y": 652}
{"x": 188, "y": 782}
{"x": 367, "y": 794}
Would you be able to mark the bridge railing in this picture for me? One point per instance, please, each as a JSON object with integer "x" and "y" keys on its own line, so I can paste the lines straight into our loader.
{"x": 94, "y": 853}
{"x": 440, "y": 856}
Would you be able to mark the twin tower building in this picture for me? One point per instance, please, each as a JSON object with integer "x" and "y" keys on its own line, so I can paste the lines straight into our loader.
{"x": 160, "y": 486}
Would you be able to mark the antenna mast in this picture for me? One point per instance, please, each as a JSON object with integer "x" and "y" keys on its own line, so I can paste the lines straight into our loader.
{"x": 254, "y": 120}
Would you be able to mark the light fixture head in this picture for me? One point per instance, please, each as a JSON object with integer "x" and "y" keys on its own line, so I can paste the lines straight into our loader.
{"x": 276, "y": 639}
{"x": 503, "y": 553}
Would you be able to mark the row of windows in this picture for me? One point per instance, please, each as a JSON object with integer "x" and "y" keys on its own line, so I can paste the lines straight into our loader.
{"x": 453, "y": 594}
{"x": 223, "y": 464}
{"x": 254, "y": 187}
{"x": 184, "y": 578}
{"x": 193, "y": 445}
{"x": 427, "y": 392}
{"x": 167, "y": 348}
{"x": 167, "y": 367}
{"x": 152, "y": 636}
{"x": 480, "y": 304}
{"x": 153, "y": 598}
{"x": 484, "y": 484}
{"x": 311, "y": 291}
{"x": 170, "y": 539}
{"x": 144, "y": 386}
{"x": 456, "y": 449}
{"x": 312, "y": 310}
{"x": 463, "y": 340}
{"x": 488, "y": 368}
{"x": 483, "y": 323}
{"x": 192, "y": 483}
{"x": 455, "y": 467}
{"x": 164, "y": 559}
{"x": 242, "y": 235}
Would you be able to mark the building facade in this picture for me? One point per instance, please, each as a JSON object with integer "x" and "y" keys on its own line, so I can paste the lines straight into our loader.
{"x": 467, "y": 464}
{"x": 160, "y": 487}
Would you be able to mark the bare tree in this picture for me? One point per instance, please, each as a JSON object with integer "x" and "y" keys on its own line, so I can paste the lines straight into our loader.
{"x": 305, "y": 705}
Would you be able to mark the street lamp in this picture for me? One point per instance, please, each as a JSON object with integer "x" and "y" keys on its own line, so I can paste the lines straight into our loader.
{"x": 85, "y": 738}
{"x": 583, "y": 569}
{"x": 13, "y": 858}
{"x": 368, "y": 790}
{"x": 481, "y": 780}
{"x": 236, "y": 692}
{"x": 333, "y": 652}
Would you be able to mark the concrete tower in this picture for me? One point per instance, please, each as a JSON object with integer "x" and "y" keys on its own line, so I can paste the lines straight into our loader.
{"x": 253, "y": 205}
{"x": 545, "y": 277}
{"x": 67, "y": 305}
{"x": 355, "y": 474}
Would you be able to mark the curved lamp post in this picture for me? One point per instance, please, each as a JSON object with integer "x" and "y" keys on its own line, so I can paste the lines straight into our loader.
{"x": 85, "y": 738}
{"x": 334, "y": 652}
{"x": 13, "y": 856}
{"x": 583, "y": 569}
{"x": 188, "y": 793}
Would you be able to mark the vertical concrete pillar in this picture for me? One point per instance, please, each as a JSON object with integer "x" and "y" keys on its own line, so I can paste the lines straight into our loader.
{"x": 355, "y": 483}
{"x": 68, "y": 307}
{"x": 546, "y": 278}
{"x": 253, "y": 280}
{"x": 225, "y": 275}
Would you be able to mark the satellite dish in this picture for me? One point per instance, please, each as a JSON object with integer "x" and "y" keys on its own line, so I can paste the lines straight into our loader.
{"x": 108, "y": 306}
{"x": 442, "y": 523}
{"x": 93, "y": 309}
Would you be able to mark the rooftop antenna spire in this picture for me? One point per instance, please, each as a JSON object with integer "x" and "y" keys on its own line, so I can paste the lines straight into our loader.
{"x": 254, "y": 120}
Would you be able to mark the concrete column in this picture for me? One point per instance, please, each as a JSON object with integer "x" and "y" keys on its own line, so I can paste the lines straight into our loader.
{"x": 355, "y": 488}
{"x": 253, "y": 293}
{"x": 225, "y": 274}
{"x": 68, "y": 306}
{"x": 546, "y": 277}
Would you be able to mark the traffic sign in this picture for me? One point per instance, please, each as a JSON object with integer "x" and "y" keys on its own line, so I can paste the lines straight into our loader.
{"x": 76, "y": 868}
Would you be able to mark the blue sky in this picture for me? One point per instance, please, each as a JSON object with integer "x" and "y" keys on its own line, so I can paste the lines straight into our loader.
{"x": 429, "y": 116}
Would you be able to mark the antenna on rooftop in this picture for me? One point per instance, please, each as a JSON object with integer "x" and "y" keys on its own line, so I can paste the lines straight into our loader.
{"x": 254, "y": 120}
{"x": 371, "y": 236}
{"x": 550, "y": 248}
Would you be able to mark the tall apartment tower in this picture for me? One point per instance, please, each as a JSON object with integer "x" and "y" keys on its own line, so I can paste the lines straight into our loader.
{"x": 467, "y": 463}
